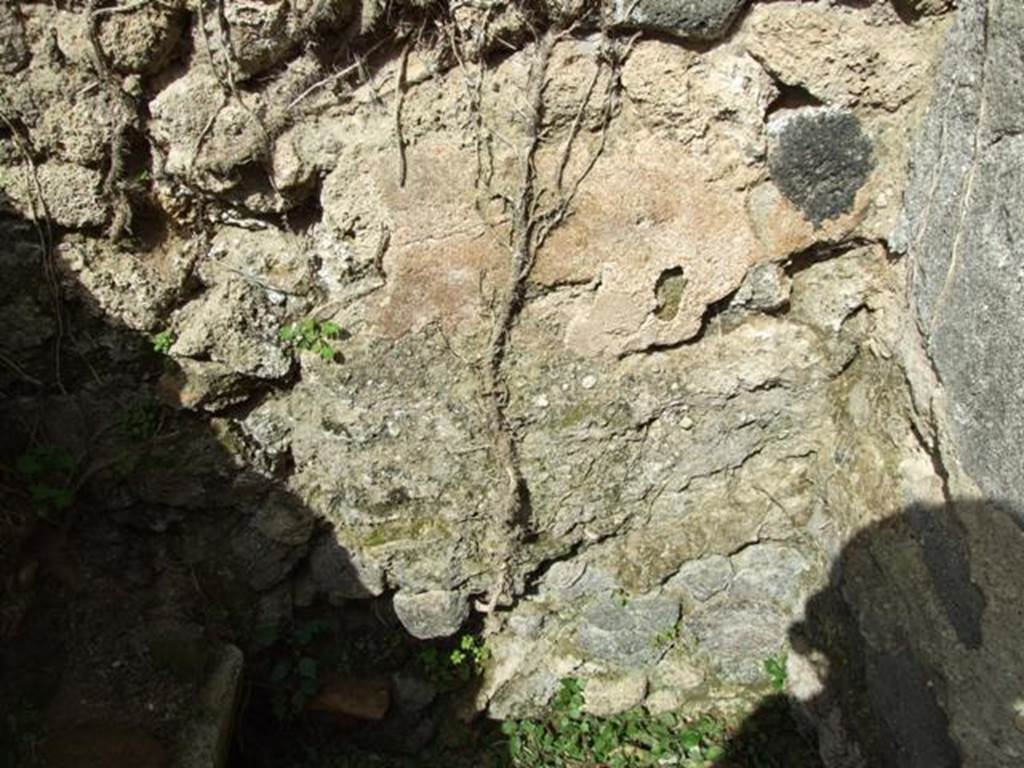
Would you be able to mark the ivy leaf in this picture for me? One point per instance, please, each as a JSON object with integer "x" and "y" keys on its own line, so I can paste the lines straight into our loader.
{"x": 307, "y": 667}
{"x": 29, "y": 464}
{"x": 691, "y": 739}
{"x": 281, "y": 671}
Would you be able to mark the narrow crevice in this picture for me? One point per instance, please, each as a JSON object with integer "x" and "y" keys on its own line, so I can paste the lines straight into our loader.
{"x": 791, "y": 97}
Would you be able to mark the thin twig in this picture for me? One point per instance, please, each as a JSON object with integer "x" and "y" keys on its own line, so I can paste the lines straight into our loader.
{"x": 44, "y": 233}
{"x": 354, "y": 67}
{"x": 19, "y": 370}
{"x": 403, "y": 65}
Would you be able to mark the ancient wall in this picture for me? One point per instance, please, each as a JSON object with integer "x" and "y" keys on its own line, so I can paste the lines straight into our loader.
{"x": 621, "y": 358}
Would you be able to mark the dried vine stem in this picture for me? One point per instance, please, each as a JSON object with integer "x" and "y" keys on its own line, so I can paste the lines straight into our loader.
{"x": 514, "y": 513}
{"x": 44, "y": 233}
{"x": 124, "y": 116}
{"x": 529, "y": 227}
{"x": 400, "y": 88}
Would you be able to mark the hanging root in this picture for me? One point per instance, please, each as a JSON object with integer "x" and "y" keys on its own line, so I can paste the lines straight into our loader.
{"x": 514, "y": 514}
{"x": 529, "y": 228}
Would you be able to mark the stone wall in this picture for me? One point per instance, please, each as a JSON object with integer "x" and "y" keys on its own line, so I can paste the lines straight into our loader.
{"x": 625, "y": 347}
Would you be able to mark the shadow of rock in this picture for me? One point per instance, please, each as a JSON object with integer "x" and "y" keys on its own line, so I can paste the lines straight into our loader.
{"x": 911, "y": 656}
{"x": 143, "y": 551}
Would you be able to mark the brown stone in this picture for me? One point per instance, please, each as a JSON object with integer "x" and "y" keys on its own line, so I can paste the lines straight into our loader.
{"x": 363, "y": 698}
{"x": 103, "y": 745}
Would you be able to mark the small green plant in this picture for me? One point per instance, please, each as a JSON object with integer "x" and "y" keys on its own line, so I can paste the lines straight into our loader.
{"x": 163, "y": 341}
{"x": 47, "y": 473}
{"x": 668, "y": 637}
{"x": 568, "y": 737}
{"x": 312, "y": 335}
{"x": 775, "y": 666}
{"x": 140, "y": 421}
{"x": 449, "y": 669}
{"x": 294, "y": 675}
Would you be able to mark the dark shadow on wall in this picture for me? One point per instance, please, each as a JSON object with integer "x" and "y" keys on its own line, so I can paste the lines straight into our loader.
{"x": 913, "y": 656}
{"x": 140, "y": 541}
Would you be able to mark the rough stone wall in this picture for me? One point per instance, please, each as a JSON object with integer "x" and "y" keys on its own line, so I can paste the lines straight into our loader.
{"x": 960, "y": 235}
{"x": 629, "y": 398}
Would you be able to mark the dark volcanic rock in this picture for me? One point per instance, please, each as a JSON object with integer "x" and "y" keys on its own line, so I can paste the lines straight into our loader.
{"x": 694, "y": 19}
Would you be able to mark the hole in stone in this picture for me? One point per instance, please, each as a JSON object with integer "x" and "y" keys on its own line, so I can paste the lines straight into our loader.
{"x": 792, "y": 97}
{"x": 669, "y": 292}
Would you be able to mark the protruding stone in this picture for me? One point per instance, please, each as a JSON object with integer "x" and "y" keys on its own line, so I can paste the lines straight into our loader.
{"x": 437, "y": 613}
{"x": 691, "y": 19}
{"x": 362, "y": 698}
{"x": 607, "y": 696}
{"x": 205, "y": 740}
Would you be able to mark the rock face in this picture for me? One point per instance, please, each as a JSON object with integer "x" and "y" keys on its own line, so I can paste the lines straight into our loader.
{"x": 961, "y": 236}
{"x": 600, "y": 344}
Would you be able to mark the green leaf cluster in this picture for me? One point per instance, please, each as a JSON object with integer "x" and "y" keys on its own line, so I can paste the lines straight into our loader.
{"x": 295, "y": 675}
{"x": 775, "y": 666}
{"x": 451, "y": 668}
{"x": 312, "y": 335}
{"x": 47, "y": 474}
{"x": 567, "y": 737}
{"x": 163, "y": 341}
{"x": 140, "y": 421}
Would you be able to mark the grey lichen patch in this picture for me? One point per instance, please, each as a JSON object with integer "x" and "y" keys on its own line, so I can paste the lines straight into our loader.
{"x": 693, "y": 19}
{"x": 669, "y": 292}
{"x": 819, "y": 158}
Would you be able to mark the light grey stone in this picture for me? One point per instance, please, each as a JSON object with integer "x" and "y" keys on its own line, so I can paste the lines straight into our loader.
{"x": 571, "y": 580}
{"x": 702, "y": 579}
{"x": 612, "y": 695}
{"x": 437, "y": 613}
{"x": 765, "y": 288}
{"x": 737, "y": 637}
{"x": 962, "y": 230}
{"x": 625, "y": 631}
{"x": 236, "y": 325}
{"x": 770, "y": 570}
